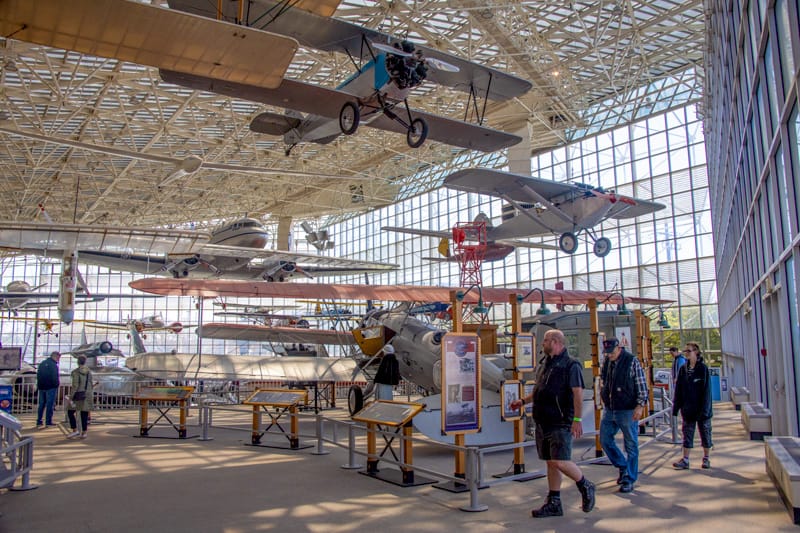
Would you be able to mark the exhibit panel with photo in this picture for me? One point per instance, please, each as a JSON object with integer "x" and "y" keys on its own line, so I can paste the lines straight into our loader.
{"x": 461, "y": 378}
{"x": 511, "y": 393}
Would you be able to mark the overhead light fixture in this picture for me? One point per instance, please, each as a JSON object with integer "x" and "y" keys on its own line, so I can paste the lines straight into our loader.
{"x": 543, "y": 310}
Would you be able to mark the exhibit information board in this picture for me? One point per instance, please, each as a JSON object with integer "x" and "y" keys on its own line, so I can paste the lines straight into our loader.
{"x": 388, "y": 413}
{"x": 277, "y": 397}
{"x": 167, "y": 394}
{"x": 461, "y": 380}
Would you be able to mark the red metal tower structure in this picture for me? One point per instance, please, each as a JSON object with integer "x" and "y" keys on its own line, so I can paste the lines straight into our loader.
{"x": 469, "y": 239}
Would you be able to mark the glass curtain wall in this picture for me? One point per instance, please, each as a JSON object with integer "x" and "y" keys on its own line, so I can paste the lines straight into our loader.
{"x": 667, "y": 255}
{"x": 753, "y": 137}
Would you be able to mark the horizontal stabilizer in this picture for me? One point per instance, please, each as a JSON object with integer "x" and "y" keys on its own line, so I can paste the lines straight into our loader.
{"x": 274, "y": 123}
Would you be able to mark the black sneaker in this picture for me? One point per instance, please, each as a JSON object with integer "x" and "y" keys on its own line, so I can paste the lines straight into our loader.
{"x": 626, "y": 486}
{"x": 622, "y": 473}
{"x": 587, "y": 496}
{"x": 552, "y": 507}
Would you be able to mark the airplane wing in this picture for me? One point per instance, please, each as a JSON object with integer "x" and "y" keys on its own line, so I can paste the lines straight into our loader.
{"x": 423, "y": 232}
{"x": 46, "y": 236}
{"x": 325, "y": 102}
{"x": 311, "y": 263}
{"x": 398, "y": 293}
{"x": 324, "y": 33}
{"x": 230, "y": 10}
{"x": 153, "y": 36}
{"x": 282, "y": 335}
{"x": 505, "y": 184}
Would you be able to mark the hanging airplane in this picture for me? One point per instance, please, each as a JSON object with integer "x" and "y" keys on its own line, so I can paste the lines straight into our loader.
{"x": 496, "y": 250}
{"x": 221, "y": 51}
{"x": 235, "y": 250}
{"x": 142, "y": 325}
{"x": 544, "y": 207}
{"x": 387, "y": 71}
{"x": 20, "y": 296}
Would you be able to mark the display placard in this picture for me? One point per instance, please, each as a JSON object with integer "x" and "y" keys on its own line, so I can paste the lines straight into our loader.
{"x": 278, "y": 397}
{"x": 461, "y": 383}
{"x": 10, "y": 358}
{"x": 167, "y": 394}
{"x": 509, "y": 393}
{"x": 388, "y": 413}
{"x": 524, "y": 348}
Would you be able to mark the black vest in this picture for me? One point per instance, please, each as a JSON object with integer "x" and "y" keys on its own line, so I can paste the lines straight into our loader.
{"x": 552, "y": 396}
{"x": 619, "y": 390}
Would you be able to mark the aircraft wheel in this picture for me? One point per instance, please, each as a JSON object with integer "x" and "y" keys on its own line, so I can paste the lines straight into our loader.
{"x": 568, "y": 242}
{"x": 417, "y": 133}
{"x": 355, "y": 399}
{"x": 349, "y": 117}
{"x": 602, "y": 247}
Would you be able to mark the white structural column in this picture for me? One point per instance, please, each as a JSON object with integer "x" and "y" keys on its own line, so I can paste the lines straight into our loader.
{"x": 519, "y": 155}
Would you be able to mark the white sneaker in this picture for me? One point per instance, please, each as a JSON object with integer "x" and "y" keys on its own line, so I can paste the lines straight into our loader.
{"x": 84, "y": 435}
{"x": 73, "y": 435}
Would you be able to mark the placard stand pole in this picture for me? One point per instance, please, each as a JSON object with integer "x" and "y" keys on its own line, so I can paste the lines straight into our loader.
{"x": 594, "y": 332}
{"x": 457, "y": 300}
{"x": 372, "y": 450}
{"x": 519, "y": 424}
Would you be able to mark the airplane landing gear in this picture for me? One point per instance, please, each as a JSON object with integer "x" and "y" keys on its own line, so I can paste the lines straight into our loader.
{"x": 349, "y": 117}
{"x": 602, "y": 247}
{"x": 355, "y": 399}
{"x": 568, "y": 242}
{"x": 417, "y": 133}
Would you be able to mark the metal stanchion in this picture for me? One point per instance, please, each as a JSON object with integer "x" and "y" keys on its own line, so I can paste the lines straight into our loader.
{"x": 473, "y": 480}
{"x": 204, "y": 417}
{"x": 351, "y": 446}
{"x": 320, "y": 442}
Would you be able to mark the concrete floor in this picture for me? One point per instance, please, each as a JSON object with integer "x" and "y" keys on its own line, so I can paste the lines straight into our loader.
{"x": 114, "y": 482}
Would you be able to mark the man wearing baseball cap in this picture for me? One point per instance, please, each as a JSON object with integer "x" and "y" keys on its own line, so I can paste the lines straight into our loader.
{"x": 623, "y": 389}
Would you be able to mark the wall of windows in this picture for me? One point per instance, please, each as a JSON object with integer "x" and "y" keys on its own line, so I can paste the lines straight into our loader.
{"x": 668, "y": 254}
{"x": 753, "y": 138}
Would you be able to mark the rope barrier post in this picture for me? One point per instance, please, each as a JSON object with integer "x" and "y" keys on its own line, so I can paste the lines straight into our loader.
{"x": 320, "y": 441}
{"x": 351, "y": 447}
{"x": 473, "y": 482}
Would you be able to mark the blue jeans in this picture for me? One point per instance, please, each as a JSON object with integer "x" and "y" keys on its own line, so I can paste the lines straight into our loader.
{"x": 47, "y": 399}
{"x": 614, "y": 421}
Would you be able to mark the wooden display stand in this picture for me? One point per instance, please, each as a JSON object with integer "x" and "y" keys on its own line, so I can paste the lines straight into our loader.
{"x": 384, "y": 413}
{"x": 166, "y": 398}
{"x": 283, "y": 401}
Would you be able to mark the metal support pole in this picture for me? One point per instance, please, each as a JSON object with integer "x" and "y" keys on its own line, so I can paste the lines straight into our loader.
{"x": 473, "y": 482}
{"x": 204, "y": 416}
{"x": 351, "y": 447}
{"x": 320, "y": 442}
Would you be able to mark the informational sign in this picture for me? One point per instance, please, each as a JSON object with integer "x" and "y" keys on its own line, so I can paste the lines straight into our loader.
{"x": 10, "y": 358}
{"x": 6, "y": 398}
{"x": 461, "y": 383}
{"x": 510, "y": 392}
{"x": 278, "y": 397}
{"x": 170, "y": 394}
{"x": 623, "y": 334}
{"x": 388, "y": 413}
{"x": 524, "y": 348}
{"x": 527, "y": 390}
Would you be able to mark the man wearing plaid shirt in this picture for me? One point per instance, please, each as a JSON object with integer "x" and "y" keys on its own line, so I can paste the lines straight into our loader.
{"x": 623, "y": 390}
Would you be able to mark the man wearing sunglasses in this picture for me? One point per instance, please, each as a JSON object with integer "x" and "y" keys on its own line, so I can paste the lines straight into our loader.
{"x": 623, "y": 389}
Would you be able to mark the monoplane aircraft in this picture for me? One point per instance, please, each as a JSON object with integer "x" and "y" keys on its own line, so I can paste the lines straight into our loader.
{"x": 544, "y": 207}
{"x": 234, "y": 251}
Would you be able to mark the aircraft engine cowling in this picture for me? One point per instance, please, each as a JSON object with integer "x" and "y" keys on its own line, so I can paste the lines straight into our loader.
{"x": 105, "y": 347}
{"x": 281, "y": 271}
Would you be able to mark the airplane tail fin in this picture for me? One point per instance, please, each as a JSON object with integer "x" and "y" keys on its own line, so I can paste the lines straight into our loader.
{"x": 444, "y": 247}
{"x": 136, "y": 339}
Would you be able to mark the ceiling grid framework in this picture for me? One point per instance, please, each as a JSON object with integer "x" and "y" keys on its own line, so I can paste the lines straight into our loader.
{"x": 594, "y": 66}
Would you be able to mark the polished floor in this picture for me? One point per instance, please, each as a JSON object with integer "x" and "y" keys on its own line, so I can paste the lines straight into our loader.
{"x": 114, "y": 482}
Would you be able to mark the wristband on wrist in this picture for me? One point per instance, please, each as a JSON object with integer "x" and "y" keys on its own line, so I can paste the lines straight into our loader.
{"x": 576, "y": 419}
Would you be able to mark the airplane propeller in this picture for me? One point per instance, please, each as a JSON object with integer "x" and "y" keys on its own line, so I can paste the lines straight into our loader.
{"x": 438, "y": 64}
